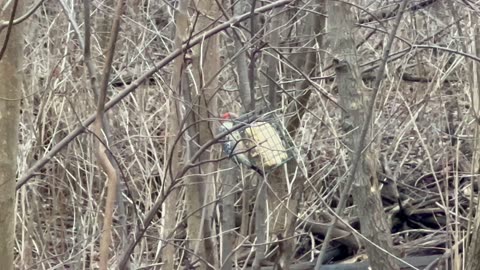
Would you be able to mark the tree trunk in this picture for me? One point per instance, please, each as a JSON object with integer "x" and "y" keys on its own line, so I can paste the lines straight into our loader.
{"x": 244, "y": 88}
{"x": 10, "y": 94}
{"x": 473, "y": 260}
{"x": 354, "y": 98}
{"x": 178, "y": 78}
{"x": 229, "y": 180}
{"x": 283, "y": 215}
{"x": 201, "y": 188}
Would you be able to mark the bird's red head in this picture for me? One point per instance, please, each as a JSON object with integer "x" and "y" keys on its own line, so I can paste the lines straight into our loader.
{"x": 226, "y": 116}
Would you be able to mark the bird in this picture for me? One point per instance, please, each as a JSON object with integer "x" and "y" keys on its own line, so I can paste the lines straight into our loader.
{"x": 234, "y": 145}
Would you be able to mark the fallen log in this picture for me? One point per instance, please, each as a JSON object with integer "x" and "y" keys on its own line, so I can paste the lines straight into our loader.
{"x": 417, "y": 261}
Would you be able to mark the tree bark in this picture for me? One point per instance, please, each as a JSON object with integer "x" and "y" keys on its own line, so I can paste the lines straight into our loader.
{"x": 473, "y": 259}
{"x": 278, "y": 181}
{"x": 10, "y": 94}
{"x": 201, "y": 188}
{"x": 354, "y": 98}
{"x": 230, "y": 178}
{"x": 241, "y": 61}
{"x": 272, "y": 62}
{"x": 178, "y": 86}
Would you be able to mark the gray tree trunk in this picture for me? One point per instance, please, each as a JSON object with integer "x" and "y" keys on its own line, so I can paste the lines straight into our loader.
{"x": 200, "y": 189}
{"x": 10, "y": 94}
{"x": 174, "y": 117}
{"x": 285, "y": 220}
{"x": 473, "y": 260}
{"x": 354, "y": 98}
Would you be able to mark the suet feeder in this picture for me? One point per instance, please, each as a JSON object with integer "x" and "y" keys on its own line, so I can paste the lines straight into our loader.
{"x": 262, "y": 140}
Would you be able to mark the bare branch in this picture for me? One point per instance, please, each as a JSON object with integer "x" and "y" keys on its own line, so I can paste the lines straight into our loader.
{"x": 9, "y": 30}
{"x": 102, "y": 154}
{"x": 4, "y": 24}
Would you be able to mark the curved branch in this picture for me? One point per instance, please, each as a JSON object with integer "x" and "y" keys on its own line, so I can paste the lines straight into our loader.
{"x": 25, "y": 16}
{"x": 9, "y": 29}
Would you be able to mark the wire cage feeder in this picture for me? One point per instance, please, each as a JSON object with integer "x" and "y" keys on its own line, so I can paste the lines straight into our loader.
{"x": 263, "y": 140}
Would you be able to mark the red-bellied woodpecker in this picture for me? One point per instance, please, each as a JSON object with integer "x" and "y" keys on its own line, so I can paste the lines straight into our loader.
{"x": 234, "y": 145}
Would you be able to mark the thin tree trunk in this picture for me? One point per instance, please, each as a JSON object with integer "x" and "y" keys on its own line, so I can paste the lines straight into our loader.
{"x": 317, "y": 26}
{"x": 228, "y": 214}
{"x": 103, "y": 153}
{"x": 241, "y": 61}
{"x": 201, "y": 188}
{"x": 260, "y": 223}
{"x": 85, "y": 45}
{"x": 473, "y": 259}
{"x": 10, "y": 94}
{"x": 229, "y": 188}
{"x": 169, "y": 208}
{"x": 272, "y": 62}
{"x": 286, "y": 220}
